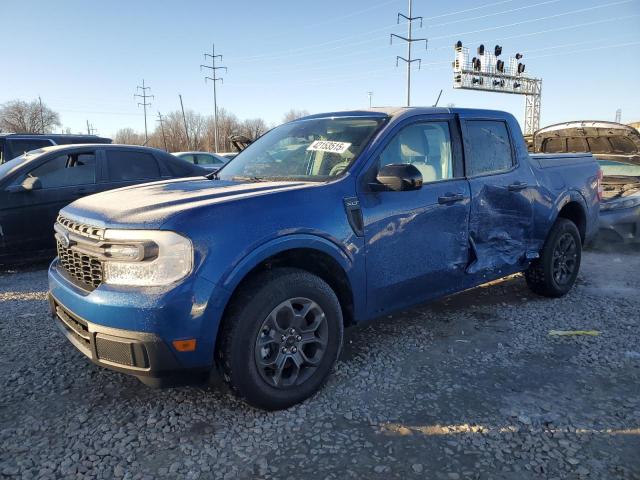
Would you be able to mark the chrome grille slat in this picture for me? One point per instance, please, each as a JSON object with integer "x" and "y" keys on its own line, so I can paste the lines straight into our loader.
{"x": 84, "y": 268}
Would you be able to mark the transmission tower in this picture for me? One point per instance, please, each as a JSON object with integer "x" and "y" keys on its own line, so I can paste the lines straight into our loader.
{"x": 214, "y": 78}
{"x": 619, "y": 115}
{"x": 144, "y": 104}
{"x": 409, "y": 39}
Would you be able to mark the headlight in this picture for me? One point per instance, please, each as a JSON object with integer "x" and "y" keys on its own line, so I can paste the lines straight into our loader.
{"x": 619, "y": 203}
{"x": 146, "y": 258}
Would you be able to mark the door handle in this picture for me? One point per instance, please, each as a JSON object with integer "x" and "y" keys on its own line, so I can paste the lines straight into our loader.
{"x": 517, "y": 186}
{"x": 450, "y": 198}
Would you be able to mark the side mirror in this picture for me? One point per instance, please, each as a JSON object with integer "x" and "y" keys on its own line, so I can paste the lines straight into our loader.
{"x": 27, "y": 185}
{"x": 400, "y": 177}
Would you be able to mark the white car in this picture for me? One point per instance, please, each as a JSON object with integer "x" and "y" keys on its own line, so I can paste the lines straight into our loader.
{"x": 210, "y": 161}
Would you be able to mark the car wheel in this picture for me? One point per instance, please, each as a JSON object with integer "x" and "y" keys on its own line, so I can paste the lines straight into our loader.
{"x": 555, "y": 272}
{"x": 280, "y": 338}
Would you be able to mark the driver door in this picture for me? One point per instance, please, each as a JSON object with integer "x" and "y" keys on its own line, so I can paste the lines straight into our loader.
{"x": 63, "y": 178}
{"x": 417, "y": 241}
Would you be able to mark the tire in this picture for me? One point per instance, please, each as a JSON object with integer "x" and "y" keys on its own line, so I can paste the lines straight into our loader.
{"x": 555, "y": 272}
{"x": 261, "y": 315}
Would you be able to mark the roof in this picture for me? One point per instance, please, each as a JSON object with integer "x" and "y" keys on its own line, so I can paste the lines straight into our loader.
{"x": 584, "y": 124}
{"x": 50, "y": 135}
{"x": 72, "y": 146}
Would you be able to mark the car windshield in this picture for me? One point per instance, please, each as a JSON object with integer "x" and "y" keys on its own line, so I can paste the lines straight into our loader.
{"x": 316, "y": 149}
{"x": 612, "y": 168}
{"x": 11, "y": 166}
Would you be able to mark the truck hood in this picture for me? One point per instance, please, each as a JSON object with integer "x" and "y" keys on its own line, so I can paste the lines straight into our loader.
{"x": 152, "y": 204}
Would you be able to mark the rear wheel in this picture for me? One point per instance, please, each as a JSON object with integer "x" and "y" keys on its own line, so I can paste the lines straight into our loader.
{"x": 555, "y": 272}
{"x": 281, "y": 338}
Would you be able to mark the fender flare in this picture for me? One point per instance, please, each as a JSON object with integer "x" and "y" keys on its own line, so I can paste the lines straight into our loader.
{"x": 230, "y": 281}
{"x": 565, "y": 198}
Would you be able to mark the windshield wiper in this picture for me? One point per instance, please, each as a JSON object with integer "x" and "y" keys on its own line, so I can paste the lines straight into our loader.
{"x": 248, "y": 179}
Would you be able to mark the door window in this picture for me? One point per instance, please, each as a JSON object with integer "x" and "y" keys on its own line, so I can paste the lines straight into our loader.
{"x": 66, "y": 170}
{"x": 427, "y": 146}
{"x": 131, "y": 165}
{"x": 189, "y": 158}
{"x": 490, "y": 147}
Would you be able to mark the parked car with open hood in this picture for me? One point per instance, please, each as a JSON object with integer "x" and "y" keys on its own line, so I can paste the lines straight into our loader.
{"x": 327, "y": 221}
{"x": 616, "y": 147}
{"x": 36, "y": 185}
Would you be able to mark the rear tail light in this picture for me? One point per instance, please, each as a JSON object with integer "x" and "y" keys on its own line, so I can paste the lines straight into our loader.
{"x": 600, "y": 190}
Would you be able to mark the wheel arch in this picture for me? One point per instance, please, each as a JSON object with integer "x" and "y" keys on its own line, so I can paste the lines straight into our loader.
{"x": 573, "y": 207}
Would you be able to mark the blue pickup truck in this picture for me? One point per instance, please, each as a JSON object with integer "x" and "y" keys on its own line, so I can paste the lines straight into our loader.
{"x": 324, "y": 222}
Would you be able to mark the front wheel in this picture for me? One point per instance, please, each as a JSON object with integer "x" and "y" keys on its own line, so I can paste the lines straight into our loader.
{"x": 555, "y": 272}
{"x": 280, "y": 338}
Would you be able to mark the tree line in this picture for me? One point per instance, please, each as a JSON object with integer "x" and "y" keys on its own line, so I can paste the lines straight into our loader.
{"x": 19, "y": 116}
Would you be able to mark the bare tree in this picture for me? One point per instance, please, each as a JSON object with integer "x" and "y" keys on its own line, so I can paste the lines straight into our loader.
{"x": 253, "y": 127}
{"x": 294, "y": 114}
{"x": 18, "y": 116}
{"x": 228, "y": 125}
{"x": 128, "y": 136}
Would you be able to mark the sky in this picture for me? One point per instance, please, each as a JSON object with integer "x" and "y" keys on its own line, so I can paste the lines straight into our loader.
{"x": 85, "y": 59}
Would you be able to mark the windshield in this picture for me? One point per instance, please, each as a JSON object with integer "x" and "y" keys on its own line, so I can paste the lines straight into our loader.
{"x": 12, "y": 165}
{"x": 611, "y": 168}
{"x": 313, "y": 150}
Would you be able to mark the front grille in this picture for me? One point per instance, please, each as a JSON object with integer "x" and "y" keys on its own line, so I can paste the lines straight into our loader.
{"x": 81, "y": 267}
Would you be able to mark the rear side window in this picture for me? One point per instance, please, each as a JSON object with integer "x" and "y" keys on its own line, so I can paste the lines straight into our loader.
{"x": 189, "y": 158}
{"x": 17, "y": 147}
{"x": 131, "y": 165}
{"x": 490, "y": 147}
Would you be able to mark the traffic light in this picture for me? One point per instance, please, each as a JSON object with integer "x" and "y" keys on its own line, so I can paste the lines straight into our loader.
{"x": 458, "y": 44}
{"x": 518, "y": 56}
{"x": 521, "y": 68}
{"x": 500, "y": 66}
{"x": 516, "y": 85}
{"x": 481, "y": 50}
{"x": 498, "y": 82}
{"x": 477, "y": 80}
{"x": 475, "y": 63}
{"x": 497, "y": 51}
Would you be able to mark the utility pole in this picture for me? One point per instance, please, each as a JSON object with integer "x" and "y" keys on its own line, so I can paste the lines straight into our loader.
{"x": 214, "y": 78}
{"x": 144, "y": 104}
{"x": 41, "y": 116}
{"x": 164, "y": 139}
{"x": 90, "y": 129}
{"x": 409, "y": 39}
{"x": 184, "y": 119}
{"x": 370, "y": 94}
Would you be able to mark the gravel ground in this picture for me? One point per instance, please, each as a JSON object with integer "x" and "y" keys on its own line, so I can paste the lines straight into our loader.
{"x": 468, "y": 387}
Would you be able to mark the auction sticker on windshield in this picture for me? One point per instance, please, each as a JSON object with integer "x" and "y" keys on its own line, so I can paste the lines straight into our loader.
{"x": 328, "y": 146}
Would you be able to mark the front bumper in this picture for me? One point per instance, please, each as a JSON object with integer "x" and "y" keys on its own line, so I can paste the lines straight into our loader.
{"x": 621, "y": 225}
{"x": 131, "y": 330}
{"x": 136, "y": 353}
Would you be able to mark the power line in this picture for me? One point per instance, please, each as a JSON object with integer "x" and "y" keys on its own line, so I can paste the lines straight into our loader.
{"x": 214, "y": 79}
{"x": 144, "y": 104}
{"x": 409, "y": 40}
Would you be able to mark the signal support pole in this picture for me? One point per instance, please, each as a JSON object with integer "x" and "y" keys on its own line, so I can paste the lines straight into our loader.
{"x": 164, "y": 138}
{"x": 144, "y": 104}
{"x": 409, "y": 39}
{"x": 214, "y": 78}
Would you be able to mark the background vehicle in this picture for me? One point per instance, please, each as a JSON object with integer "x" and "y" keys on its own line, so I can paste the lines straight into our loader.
{"x": 36, "y": 185}
{"x": 210, "y": 161}
{"x": 617, "y": 150}
{"x": 323, "y": 222}
{"x": 15, "y": 144}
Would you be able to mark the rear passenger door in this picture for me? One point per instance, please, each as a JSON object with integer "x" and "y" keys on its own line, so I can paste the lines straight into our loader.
{"x": 501, "y": 216}
{"x": 129, "y": 167}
